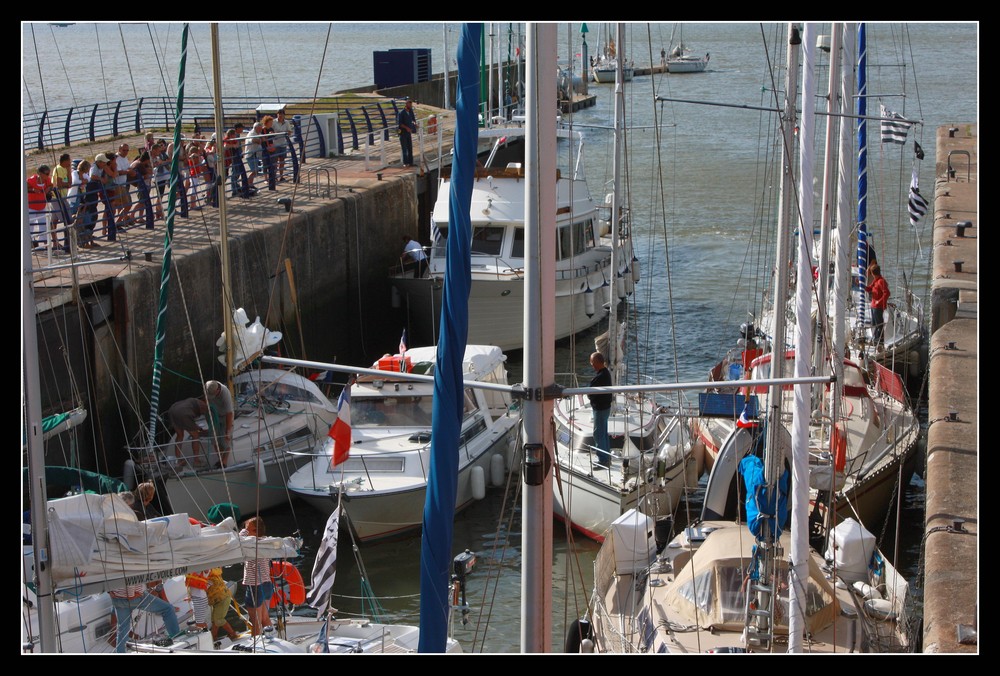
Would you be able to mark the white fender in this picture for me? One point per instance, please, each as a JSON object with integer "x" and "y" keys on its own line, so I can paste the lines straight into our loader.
{"x": 497, "y": 470}
{"x": 261, "y": 472}
{"x": 588, "y": 302}
{"x": 620, "y": 287}
{"x": 478, "y": 478}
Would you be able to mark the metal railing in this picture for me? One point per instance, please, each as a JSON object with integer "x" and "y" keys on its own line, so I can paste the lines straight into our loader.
{"x": 62, "y": 127}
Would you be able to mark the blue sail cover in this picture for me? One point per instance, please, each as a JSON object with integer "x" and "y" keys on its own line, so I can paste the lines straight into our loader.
{"x": 862, "y": 162}
{"x": 761, "y": 506}
{"x": 446, "y": 427}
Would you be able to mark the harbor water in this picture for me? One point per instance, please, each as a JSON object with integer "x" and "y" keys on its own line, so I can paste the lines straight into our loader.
{"x": 699, "y": 272}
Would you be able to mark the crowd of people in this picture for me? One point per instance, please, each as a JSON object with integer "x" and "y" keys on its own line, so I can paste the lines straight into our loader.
{"x": 124, "y": 188}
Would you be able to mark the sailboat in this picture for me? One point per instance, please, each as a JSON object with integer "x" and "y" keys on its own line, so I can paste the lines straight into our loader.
{"x": 745, "y": 584}
{"x": 604, "y": 66}
{"x": 278, "y": 415}
{"x": 652, "y": 460}
{"x": 864, "y": 432}
{"x": 680, "y": 59}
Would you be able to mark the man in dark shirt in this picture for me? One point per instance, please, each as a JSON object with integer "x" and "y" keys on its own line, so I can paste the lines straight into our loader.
{"x": 600, "y": 406}
{"x": 407, "y": 122}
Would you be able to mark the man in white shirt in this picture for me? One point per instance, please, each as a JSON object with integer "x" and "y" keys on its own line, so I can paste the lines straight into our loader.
{"x": 120, "y": 172}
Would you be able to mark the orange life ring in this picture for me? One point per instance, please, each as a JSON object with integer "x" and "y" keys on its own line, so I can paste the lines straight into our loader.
{"x": 289, "y": 589}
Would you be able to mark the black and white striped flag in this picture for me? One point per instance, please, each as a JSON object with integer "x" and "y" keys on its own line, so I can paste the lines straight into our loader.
{"x": 894, "y": 127}
{"x": 325, "y": 566}
{"x": 917, "y": 205}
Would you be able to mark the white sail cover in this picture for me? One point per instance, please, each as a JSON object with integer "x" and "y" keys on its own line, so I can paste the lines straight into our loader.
{"x": 97, "y": 543}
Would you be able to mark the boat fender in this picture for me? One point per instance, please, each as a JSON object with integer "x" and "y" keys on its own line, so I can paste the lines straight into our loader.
{"x": 620, "y": 287}
{"x": 635, "y": 269}
{"x": 496, "y": 470}
{"x": 478, "y": 478}
{"x": 579, "y": 631}
{"x": 289, "y": 590}
{"x": 588, "y": 302}
{"x": 629, "y": 283}
{"x": 261, "y": 472}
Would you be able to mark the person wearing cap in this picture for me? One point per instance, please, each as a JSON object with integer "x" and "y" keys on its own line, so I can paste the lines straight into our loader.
{"x": 407, "y": 122}
{"x": 220, "y": 403}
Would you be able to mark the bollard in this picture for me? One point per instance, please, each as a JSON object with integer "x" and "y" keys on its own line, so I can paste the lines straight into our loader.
{"x": 958, "y": 265}
{"x": 960, "y": 228}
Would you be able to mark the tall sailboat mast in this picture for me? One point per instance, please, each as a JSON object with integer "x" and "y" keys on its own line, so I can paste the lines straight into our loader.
{"x": 539, "y": 339}
{"x": 220, "y": 191}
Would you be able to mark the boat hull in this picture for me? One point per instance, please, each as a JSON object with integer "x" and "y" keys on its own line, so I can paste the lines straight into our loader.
{"x": 686, "y": 66}
{"x": 496, "y": 308}
{"x": 392, "y": 506}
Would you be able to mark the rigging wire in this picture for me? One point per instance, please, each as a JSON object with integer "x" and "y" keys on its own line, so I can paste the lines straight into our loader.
{"x": 157, "y": 48}
{"x": 69, "y": 83}
{"x": 128, "y": 66}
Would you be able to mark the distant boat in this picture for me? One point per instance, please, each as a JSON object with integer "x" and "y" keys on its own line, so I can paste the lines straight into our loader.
{"x": 62, "y": 25}
{"x": 680, "y": 59}
{"x": 604, "y": 66}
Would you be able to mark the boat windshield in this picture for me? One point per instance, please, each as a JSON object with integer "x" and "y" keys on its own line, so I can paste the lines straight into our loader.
{"x": 403, "y": 411}
{"x": 399, "y": 410}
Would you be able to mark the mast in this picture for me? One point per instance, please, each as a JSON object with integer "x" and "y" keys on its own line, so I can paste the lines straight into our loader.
{"x": 220, "y": 191}
{"x": 31, "y": 399}
{"x": 773, "y": 461}
{"x": 842, "y": 267}
{"x": 834, "y": 108}
{"x": 799, "y": 563}
{"x": 616, "y": 208}
{"x": 539, "y": 343}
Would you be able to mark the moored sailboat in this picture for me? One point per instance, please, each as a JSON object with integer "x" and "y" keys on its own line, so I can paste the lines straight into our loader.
{"x": 725, "y": 584}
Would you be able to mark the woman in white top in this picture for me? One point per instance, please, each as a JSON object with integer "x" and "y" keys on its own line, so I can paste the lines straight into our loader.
{"x": 77, "y": 179}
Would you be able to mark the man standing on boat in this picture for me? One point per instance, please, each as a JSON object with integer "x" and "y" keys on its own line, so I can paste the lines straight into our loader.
{"x": 407, "y": 122}
{"x": 879, "y": 290}
{"x": 220, "y": 403}
{"x": 600, "y": 406}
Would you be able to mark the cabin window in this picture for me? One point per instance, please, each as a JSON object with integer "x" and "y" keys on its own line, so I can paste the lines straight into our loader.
{"x": 246, "y": 388}
{"x": 573, "y": 240}
{"x": 517, "y": 246}
{"x": 487, "y": 240}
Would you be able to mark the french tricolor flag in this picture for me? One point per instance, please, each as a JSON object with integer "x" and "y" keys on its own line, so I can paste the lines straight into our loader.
{"x": 340, "y": 431}
{"x": 745, "y": 421}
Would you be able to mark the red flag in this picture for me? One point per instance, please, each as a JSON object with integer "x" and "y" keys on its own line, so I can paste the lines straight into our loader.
{"x": 340, "y": 431}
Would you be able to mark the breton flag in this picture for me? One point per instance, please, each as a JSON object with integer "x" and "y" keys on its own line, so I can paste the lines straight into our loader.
{"x": 324, "y": 571}
{"x": 402, "y": 343}
{"x": 745, "y": 420}
{"x": 340, "y": 431}
{"x": 917, "y": 205}
{"x": 894, "y": 127}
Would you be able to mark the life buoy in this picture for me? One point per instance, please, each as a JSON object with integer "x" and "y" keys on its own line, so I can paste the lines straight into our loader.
{"x": 289, "y": 589}
{"x": 838, "y": 446}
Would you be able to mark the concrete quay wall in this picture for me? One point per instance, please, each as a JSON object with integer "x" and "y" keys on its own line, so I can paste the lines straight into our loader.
{"x": 951, "y": 535}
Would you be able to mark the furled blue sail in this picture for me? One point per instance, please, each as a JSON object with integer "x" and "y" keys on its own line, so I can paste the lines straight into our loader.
{"x": 442, "y": 477}
{"x": 862, "y": 162}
